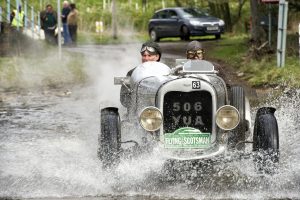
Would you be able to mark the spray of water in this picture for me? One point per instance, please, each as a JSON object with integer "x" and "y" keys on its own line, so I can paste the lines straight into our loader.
{"x": 48, "y": 143}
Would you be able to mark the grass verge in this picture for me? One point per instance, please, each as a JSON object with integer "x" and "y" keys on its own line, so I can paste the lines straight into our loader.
{"x": 234, "y": 50}
{"x": 43, "y": 71}
{"x": 107, "y": 37}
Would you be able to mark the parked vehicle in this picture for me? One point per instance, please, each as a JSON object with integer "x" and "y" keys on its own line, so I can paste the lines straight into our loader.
{"x": 183, "y": 23}
{"x": 188, "y": 114}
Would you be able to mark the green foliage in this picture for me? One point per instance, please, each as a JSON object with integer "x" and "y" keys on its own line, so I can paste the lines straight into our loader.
{"x": 234, "y": 51}
{"x": 267, "y": 73}
{"x": 135, "y": 15}
{"x": 231, "y": 48}
{"x": 7, "y": 70}
{"x": 88, "y": 23}
{"x": 44, "y": 71}
{"x": 107, "y": 38}
{"x": 130, "y": 13}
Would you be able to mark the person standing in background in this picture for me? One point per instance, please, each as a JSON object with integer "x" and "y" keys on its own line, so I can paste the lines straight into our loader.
{"x": 48, "y": 23}
{"x": 17, "y": 20}
{"x": 72, "y": 20}
{"x": 64, "y": 16}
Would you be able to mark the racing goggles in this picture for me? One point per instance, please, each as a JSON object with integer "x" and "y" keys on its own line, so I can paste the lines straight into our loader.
{"x": 151, "y": 50}
{"x": 193, "y": 54}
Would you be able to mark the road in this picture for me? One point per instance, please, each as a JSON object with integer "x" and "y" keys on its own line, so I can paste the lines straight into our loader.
{"x": 48, "y": 144}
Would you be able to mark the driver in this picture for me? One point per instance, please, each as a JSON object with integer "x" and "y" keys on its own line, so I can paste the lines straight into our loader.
{"x": 150, "y": 51}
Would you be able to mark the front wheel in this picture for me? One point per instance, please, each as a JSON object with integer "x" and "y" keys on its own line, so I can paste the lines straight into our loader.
{"x": 237, "y": 99}
{"x": 266, "y": 140}
{"x": 153, "y": 35}
{"x": 110, "y": 138}
{"x": 185, "y": 33}
{"x": 218, "y": 36}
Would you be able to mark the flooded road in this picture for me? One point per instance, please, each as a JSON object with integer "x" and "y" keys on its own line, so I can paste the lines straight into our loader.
{"x": 48, "y": 146}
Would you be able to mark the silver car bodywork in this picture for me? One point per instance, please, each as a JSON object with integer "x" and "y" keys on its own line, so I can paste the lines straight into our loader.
{"x": 185, "y": 87}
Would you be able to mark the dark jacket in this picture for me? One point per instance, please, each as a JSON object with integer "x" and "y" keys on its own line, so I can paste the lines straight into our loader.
{"x": 48, "y": 20}
{"x": 65, "y": 12}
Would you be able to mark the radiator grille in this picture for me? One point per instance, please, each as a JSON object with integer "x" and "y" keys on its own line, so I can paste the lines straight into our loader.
{"x": 187, "y": 109}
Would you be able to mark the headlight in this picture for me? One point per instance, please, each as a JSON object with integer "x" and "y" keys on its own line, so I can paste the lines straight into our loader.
{"x": 227, "y": 117}
{"x": 196, "y": 23}
{"x": 221, "y": 22}
{"x": 151, "y": 118}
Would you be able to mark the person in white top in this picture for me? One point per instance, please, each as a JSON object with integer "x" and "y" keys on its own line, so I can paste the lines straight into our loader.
{"x": 151, "y": 54}
{"x": 149, "y": 68}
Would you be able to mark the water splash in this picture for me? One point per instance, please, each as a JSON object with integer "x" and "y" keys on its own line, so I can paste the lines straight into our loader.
{"x": 48, "y": 148}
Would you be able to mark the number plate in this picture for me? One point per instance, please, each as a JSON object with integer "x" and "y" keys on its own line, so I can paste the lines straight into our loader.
{"x": 212, "y": 28}
{"x": 196, "y": 85}
{"x": 187, "y": 138}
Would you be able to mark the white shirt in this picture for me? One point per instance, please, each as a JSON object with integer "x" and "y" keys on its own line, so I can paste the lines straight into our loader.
{"x": 150, "y": 68}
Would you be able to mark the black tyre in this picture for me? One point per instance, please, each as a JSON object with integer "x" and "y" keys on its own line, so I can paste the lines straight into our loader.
{"x": 266, "y": 140}
{"x": 185, "y": 33}
{"x": 153, "y": 35}
{"x": 237, "y": 99}
{"x": 218, "y": 36}
{"x": 110, "y": 138}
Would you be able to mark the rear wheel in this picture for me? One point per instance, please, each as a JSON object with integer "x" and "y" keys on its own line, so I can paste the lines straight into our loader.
{"x": 266, "y": 140}
{"x": 153, "y": 35}
{"x": 110, "y": 138}
{"x": 185, "y": 33}
{"x": 237, "y": 99}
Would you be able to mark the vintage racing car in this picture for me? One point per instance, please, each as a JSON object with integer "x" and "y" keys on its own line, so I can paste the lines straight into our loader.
{"x": 189, "y": 113}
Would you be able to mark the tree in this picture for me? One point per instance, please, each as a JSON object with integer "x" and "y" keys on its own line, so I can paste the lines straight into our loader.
{"x": 241, "y": 4}
{"x": 255, "y": 28}
{"x": 294, "y": 5}
{"x": 114, "y": 19}
{"x": 178, "y": 3}
{"x": 144, "y": 5}
{"x": 221, "y": 9}
{"x": 224, "y": 7}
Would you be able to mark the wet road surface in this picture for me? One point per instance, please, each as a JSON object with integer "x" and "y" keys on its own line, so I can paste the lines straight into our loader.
{"x": 48, "y": 145}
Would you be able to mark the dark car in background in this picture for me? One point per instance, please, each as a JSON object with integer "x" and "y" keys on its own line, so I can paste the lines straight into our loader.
{"x": 183, "y": 23}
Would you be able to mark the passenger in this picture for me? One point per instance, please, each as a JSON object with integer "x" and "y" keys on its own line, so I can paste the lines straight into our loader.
{"x": 195, "y": 51}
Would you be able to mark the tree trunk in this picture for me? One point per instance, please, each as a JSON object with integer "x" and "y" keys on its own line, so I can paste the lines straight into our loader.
{"x": 144, "y": 5}
{"x": 178, "y": 3}
{"x": 255, "y": 29}
{"x": 226, "y": 16}
{"x": 221, "y": 9}
{"x": 294, "y": 5}
{"x": 241, "y": 4}
{"x": 213, "y": 9}
{"x": 114, "y": 19}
